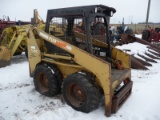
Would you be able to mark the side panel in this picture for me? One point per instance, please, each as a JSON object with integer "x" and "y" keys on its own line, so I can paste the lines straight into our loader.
{"x": 123, "y": 57}
{"x": 34, "y": 55}
{"x": 97, "y": 66}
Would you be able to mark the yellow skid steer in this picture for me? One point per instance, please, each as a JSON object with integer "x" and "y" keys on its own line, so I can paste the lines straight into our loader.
{"x": 76, "y": 62}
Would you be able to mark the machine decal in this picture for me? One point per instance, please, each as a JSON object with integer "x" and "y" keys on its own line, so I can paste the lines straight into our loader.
{"x": 58, "y": 43}
{"x": 33, "y": 49}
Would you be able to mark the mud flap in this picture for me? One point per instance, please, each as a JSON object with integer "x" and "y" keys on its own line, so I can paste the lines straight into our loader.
{"x": 121, "y": 96}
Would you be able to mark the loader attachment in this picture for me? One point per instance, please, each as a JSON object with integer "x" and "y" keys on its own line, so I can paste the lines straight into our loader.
{"x": 142, "y": 58}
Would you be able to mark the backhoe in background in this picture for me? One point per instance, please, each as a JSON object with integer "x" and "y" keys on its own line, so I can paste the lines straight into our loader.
{"x": 12, "y": 42}
{"x": 13, "y": 39}
{"x": 78, "y": 60}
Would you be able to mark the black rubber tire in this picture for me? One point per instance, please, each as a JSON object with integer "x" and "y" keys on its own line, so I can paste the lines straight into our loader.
{"x": 58, "y": 76}
{"x": 87, "y": 92}
{"x": 47, "y": 80}
{"x": 145, "y": 35}
{"x": 99, "y": 29}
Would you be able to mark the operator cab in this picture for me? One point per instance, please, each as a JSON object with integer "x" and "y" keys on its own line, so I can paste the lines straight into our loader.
{"x": 82, "y": 27}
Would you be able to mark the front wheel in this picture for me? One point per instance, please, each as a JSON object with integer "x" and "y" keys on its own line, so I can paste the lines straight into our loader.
{"x": 46, "y": 80}
{"x": 80, "y": 93}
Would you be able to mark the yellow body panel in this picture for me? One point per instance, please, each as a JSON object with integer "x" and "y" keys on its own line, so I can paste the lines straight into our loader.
{"x": 83, "y": 61}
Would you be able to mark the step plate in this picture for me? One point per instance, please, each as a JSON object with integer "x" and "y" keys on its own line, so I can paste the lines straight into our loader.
{"x": 121, "y": 96}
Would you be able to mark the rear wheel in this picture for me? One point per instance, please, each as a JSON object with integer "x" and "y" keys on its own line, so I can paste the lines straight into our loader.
{"x": 46, "y": 80}
{"x": 81, "y": 93}
{"x": 145, "y": 35}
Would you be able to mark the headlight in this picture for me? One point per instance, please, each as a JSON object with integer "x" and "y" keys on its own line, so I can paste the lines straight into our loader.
{"x": 111, "y": 13}
{"x": 96, "y": 10}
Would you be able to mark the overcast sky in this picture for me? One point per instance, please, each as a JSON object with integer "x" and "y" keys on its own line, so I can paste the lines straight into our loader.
{"x": 131, "y": 10}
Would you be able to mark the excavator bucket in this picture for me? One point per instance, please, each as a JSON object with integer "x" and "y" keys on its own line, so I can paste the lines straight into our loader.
{"x": 142, "y": 59}
{"x": 5, "y": 56}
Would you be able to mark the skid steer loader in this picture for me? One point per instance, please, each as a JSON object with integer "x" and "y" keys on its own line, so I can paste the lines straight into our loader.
{"x": 80, "y": 63}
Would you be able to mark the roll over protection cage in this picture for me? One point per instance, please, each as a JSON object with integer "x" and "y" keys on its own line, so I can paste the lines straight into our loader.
{"x": 88, "y": 13}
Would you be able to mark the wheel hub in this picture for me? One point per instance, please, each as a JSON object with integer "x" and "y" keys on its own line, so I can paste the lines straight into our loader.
{"x": 43, "y": 82}
{"x": 76, "y": 95}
